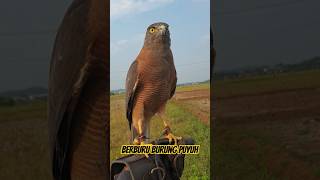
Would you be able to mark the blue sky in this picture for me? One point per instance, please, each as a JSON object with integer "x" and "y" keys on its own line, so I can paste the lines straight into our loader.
{"x": 190, "y": 37}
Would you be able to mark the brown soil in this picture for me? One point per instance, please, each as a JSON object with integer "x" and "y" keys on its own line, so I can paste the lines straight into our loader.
{"x": 197, "y": 102}
{"x": 196, "y": 94}
{"x": 289, "y": 121}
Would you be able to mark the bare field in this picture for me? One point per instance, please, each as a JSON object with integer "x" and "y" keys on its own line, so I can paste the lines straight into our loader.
{"x": 197, "y": 102}
{"x": 269, "y": 132}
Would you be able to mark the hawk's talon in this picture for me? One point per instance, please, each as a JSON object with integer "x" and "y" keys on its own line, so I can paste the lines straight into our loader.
{"x": 166, "y": 130}
{"x": 171, "y": 137}
{"x": 145, "y": 144}
{"x": 167, "y": 134}
{"x": 140, "y": 140}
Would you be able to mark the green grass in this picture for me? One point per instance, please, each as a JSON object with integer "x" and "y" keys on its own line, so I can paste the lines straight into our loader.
{"x": 186, "y": 124}
{"x": 317, "y": 171}
{"x": 24, "y": 142}
{"x": 236, "y": 160}
{"x": 182, "y": 122}
{"x": 236, "y": 166}
{"x": 23, "y": 111}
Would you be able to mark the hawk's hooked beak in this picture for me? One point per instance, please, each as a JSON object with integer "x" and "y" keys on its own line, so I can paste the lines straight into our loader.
{"x": 163, "y": 29}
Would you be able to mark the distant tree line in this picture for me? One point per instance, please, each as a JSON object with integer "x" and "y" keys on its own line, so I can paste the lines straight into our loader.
{"x": 309, "y": 64}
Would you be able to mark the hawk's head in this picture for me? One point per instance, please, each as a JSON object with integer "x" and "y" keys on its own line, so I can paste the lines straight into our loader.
{"x": 157, "y": 34}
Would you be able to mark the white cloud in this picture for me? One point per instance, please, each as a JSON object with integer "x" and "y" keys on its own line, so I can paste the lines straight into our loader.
{"x": 116, "y": 46}
{"x": 120, "y": 45}
{"x": 120, "y": 8}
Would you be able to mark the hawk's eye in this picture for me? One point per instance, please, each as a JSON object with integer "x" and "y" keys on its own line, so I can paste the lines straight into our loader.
{"x": 152, "y": 30}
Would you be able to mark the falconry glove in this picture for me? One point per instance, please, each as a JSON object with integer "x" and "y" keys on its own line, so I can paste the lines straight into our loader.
{"x": 155, "y": 167}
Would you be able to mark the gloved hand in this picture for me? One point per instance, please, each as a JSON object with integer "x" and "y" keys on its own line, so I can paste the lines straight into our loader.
{"x": 156, "y": 167}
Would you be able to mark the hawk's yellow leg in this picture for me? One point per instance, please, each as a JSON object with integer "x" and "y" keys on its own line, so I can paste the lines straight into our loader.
{"x": 141, "y": 139}
{"x": 167, "y": 132}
